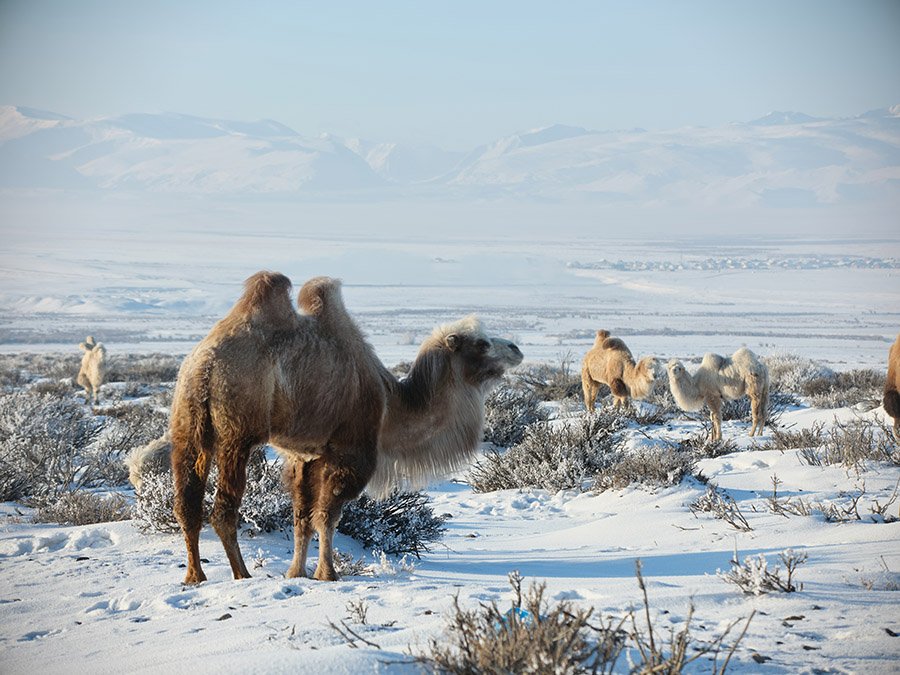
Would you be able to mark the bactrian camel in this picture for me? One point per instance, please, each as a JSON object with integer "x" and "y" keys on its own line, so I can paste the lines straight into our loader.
{"x": 311, "y": 386}
{"x": 892, "y": 385}
{"x": 719, "y": 378}
{"x": 93, "y": 368}
{"x": 610, "y": 362}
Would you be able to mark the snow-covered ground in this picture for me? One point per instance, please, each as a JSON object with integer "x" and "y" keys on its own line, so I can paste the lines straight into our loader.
{"x": 105, "y": 598}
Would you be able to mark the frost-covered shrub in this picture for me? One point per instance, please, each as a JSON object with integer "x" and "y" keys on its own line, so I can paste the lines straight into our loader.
{"x": 722, "y": 506}
{"x": 839, "y": 390}
{"x": 266, "y": 505}
{"x": 532, "y": 636}
{"x": 789, "y": 372}
{"x": 551, "y": 383}
{"x": 146, "y": 368}
{"x": 126, "y": 426}
{"x": 786, "y": 439}
{"x": 402, "y": 523}
{"x": 552, "y": 456}
{"x": 508, "y": 412}
{"x": 651, "y": 467}
{"x": 754, "y": 577}
{"x": 852, "y": 444}
{"x": 45, "y": 446}
{"x": 83, "y": 507}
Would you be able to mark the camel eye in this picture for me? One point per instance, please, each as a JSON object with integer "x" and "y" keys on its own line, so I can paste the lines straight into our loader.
{"x": 483, "y": 345}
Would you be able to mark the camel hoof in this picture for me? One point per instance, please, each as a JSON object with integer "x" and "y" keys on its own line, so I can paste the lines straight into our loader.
{"x": 295, "y": 573}
{"x": 192, "y": 578}
{"x": 327, "y": 575}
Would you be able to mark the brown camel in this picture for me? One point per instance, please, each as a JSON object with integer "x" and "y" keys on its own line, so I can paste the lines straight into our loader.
{"x": 892, "y": 385}
{"x": 610, "y": 362}
{"x": 311, "y": 386}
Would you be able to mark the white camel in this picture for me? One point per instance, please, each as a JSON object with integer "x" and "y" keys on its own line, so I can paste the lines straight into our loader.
{"x": 719, "y": 378}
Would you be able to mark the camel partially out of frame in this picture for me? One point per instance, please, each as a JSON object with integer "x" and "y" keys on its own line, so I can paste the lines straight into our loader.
{"x": 891, "y": 400}
{"x": 93, "y": 368}
{"x": 719, "y": 378}
{"x": 610, "y": 362}
{"x": 311, "y": 386}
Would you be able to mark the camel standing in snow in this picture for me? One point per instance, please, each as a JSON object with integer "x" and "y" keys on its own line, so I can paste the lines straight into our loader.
{"x": 891, "y": 400}
{"x": 311, "y": 386}
{"x": 93, "y": 368}
{"x": 719, "y": 378}
{"x": 610, "y": 362}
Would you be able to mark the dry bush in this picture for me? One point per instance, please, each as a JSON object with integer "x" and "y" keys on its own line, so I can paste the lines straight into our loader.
{"x": 126, "y": 426}
{"x": 83, "y": 507}
{"x": 402, "y": 523}
{"x": 721, "y": 505}
{"x": 45, "y": 447}
{"x": 551, "y": 383}
{"x": 551, "y": 456}
{"x": 534, "y": 636}
{"x": 508, "y": 412}
{"x": 852, "y": 444}
{"x": 531, "y": 637}
{"x": 790, "y": 373}
{"x": 647, "y": 467}
{"x": 839, "y": 390}
{"x": 144, "y": 368}
{"x": 701, "y": 445}
{"x": 785, "y": 439}
{"x": 754, "y": 578}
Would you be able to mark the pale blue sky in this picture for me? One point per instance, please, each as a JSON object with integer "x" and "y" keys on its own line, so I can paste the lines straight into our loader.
{"x": 455, "y": 74}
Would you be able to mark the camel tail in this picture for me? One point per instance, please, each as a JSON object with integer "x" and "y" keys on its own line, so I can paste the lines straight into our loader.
{"x": 892, "y": 403}
{"x": 191, "y": 425}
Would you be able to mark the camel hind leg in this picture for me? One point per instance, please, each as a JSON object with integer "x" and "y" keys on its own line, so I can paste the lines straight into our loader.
{"x": 232, "y": 463}
{"x": 715, "y": 416}
{"x": 190, "y": 484}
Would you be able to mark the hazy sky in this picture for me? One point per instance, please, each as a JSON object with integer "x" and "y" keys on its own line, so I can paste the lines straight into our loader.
{"x": 455, "y": 74}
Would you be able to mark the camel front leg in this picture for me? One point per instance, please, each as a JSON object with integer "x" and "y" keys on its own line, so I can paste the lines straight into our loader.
{"x": 590, "y": 389}
{"x": 715, "y": 416}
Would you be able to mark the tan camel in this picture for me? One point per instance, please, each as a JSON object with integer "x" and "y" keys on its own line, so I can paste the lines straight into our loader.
{"x": 610, "y": 362}
{"x": 93, "y": 369}
{"x": 892, "y": 385}
{"x": 312, "y": 387}
{"x": 720, "y": 378}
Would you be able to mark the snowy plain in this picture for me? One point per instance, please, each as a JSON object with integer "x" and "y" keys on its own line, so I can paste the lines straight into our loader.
{"x": 105, "y": 598}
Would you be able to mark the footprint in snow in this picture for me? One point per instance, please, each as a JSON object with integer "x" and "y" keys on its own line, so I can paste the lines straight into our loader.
{"x": 91, "y": 539}
{"x": 185, "y": 600}
{"x": 114, "y": 606}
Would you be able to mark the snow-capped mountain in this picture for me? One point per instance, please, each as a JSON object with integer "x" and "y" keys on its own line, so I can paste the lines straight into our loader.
{"x": 782, "y": 159}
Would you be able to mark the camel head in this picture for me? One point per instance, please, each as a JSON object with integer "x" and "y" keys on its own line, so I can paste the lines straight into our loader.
{"x": 482, "y": 359}
{"x": 648, "y": 368}
{"x": 676, "y": 369}
{"x": 88, "y": 344}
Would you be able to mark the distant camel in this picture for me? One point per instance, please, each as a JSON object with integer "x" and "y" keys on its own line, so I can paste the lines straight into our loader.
{"x": 720, "y": 378}
{"x": 93, "y": 368}
{"x": 891, "y": 385}
{"x": 610, "y": 362}
{"x": 312, "y": 387}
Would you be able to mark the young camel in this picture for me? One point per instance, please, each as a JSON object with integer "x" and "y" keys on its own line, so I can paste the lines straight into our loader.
{"x": 93, "y": 369}
{"x": 311, "y": 386}
{"x": 891, "y": 400}
{"x": 719, "y": 378}
{"x": 610, "y": 362}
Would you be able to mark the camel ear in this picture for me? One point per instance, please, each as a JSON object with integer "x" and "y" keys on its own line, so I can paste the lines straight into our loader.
{"x": 453, "y": 342}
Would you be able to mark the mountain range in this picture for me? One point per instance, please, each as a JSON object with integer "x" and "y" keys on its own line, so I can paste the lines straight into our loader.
{"x": 785, "y": 159}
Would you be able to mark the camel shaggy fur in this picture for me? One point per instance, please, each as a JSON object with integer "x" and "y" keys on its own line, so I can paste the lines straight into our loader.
{"x": 311, "y": 386}
{"x": 892, "y": 385}
{"x": 93, "y": 368}
{"x": 719, "y": 378}
{"x": 610, "y": 362}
